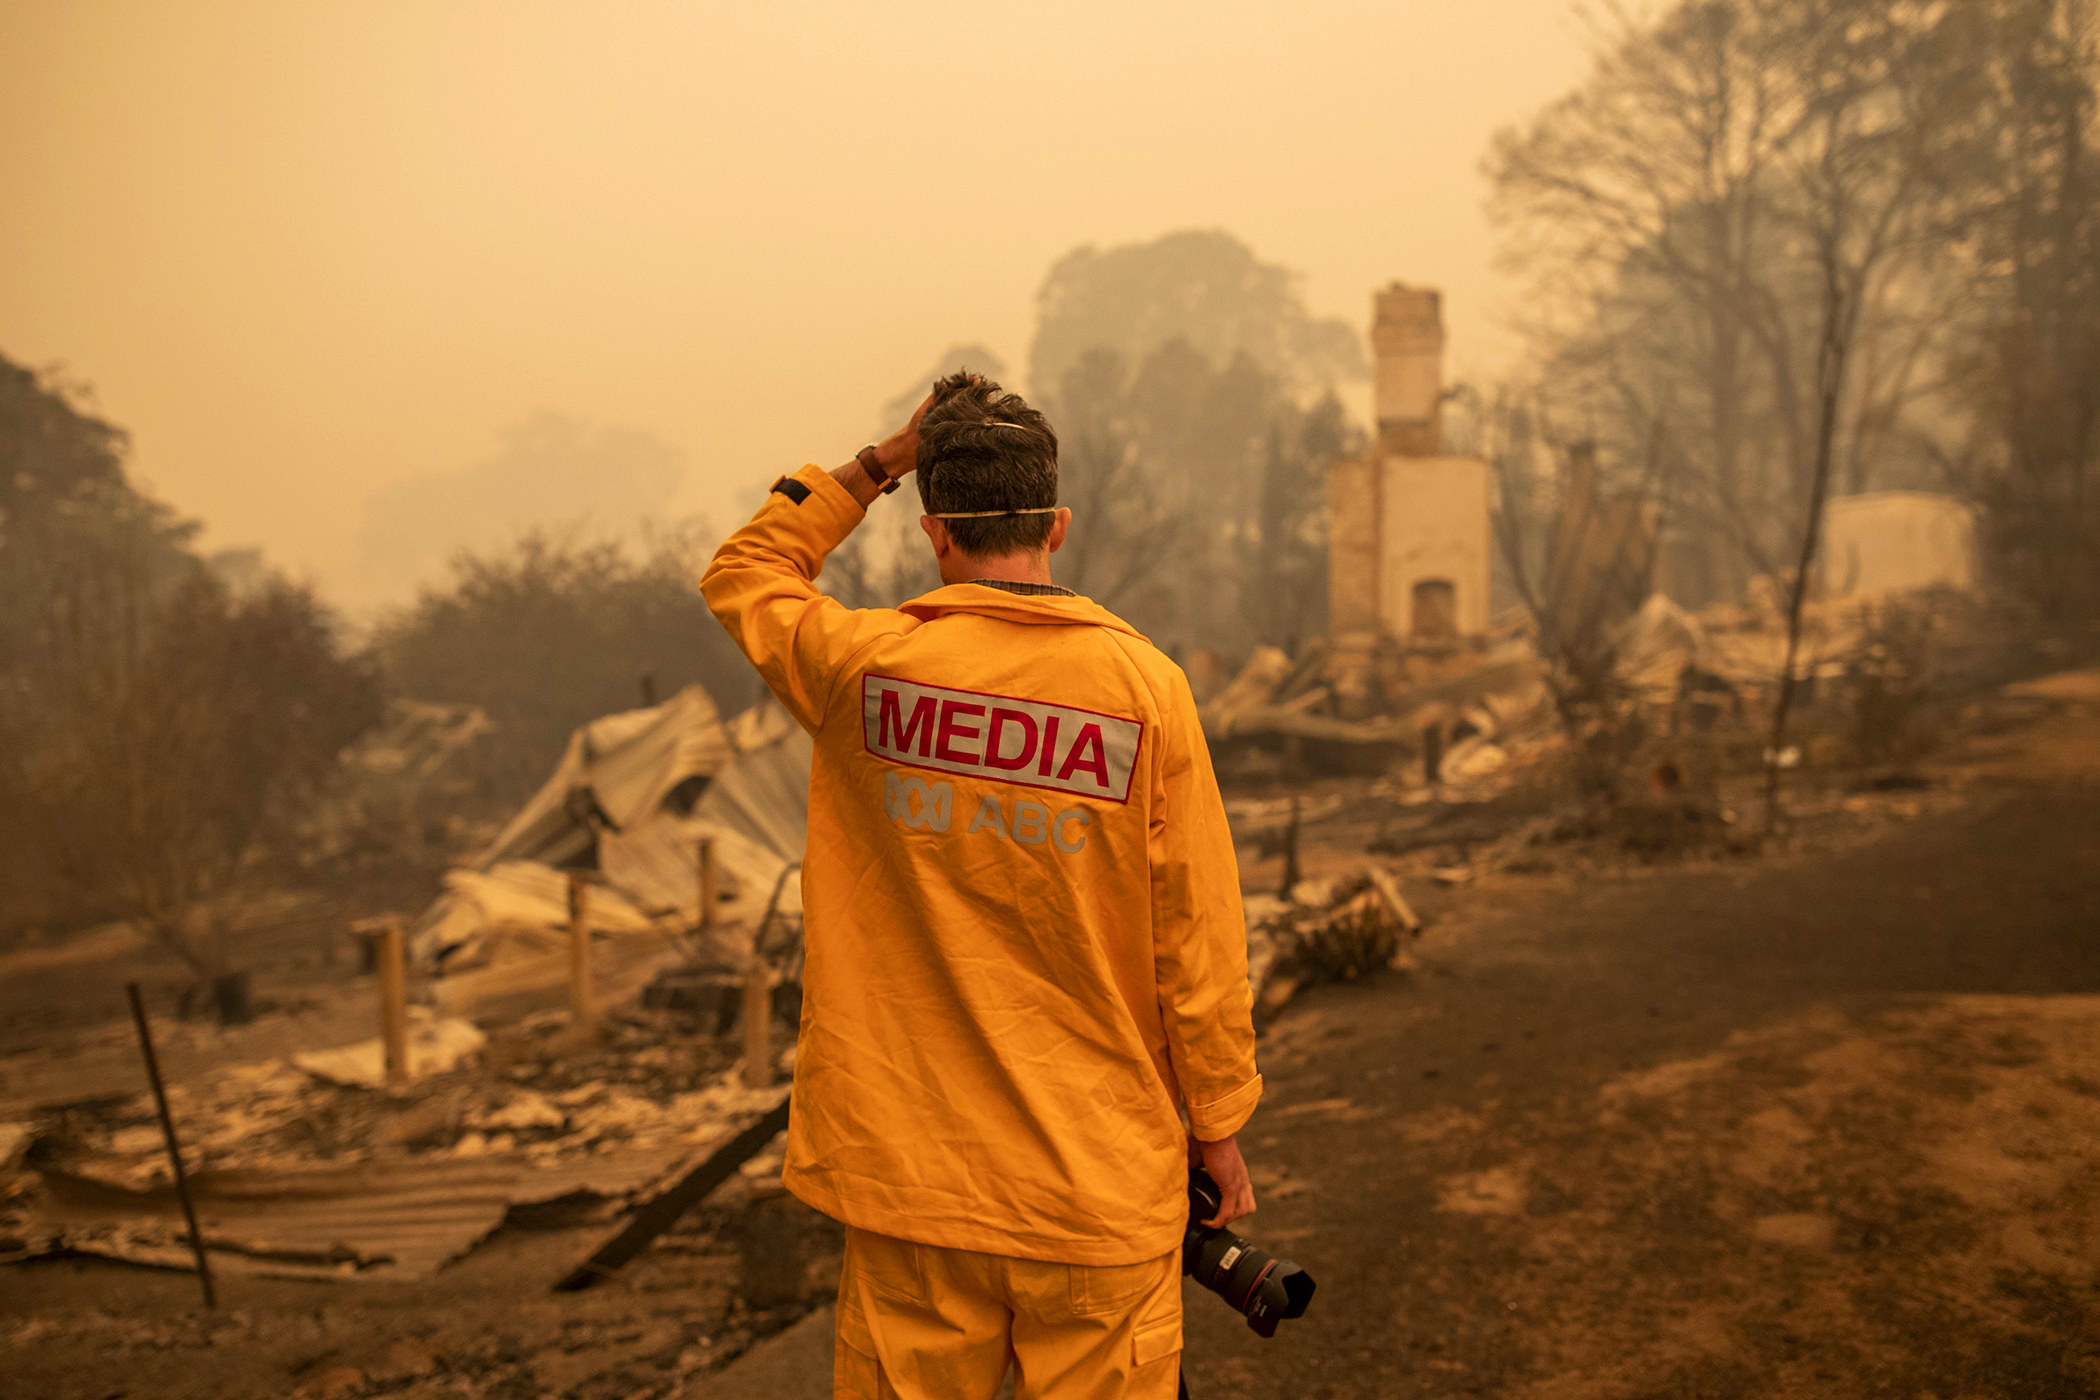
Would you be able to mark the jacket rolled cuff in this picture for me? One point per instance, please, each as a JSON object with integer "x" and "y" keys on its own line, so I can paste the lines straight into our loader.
{"x": 828, "y": 513}
{"x": 1216, "y": 1119}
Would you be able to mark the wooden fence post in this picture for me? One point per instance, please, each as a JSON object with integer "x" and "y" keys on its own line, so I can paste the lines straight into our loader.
{"x": 707, "y": 883}
{"x": 1291, "y": 873}
{"x": 758, "y": 1023}
{"x": 393, "y": 1001}
{"x": 581, "y": 1012}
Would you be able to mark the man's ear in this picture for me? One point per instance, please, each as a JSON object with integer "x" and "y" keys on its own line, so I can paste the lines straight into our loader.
{"x": 937, "y": 532}
{"x": 1059, "y": 524}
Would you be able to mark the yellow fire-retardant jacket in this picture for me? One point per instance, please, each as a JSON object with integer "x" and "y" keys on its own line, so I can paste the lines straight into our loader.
{"x": 1021, "y": 911}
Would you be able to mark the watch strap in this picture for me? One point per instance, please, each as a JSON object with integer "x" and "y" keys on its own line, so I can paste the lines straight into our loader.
{"x": 868, "y": 464}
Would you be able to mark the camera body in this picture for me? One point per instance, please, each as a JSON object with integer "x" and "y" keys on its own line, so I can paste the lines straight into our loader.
{"x": 1265, "y": 1289}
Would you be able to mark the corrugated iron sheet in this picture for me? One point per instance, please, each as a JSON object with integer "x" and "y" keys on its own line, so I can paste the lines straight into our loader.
{"x": 383, "y": 1219}
{"x": 395, "y": 1219}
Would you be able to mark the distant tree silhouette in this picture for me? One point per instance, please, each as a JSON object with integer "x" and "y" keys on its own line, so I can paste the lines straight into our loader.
{"x": 1202, "y": 286}
{"x": 556, "y": 630}
{"x": 1186, "y": 379}
{"x": 160, "y": 735}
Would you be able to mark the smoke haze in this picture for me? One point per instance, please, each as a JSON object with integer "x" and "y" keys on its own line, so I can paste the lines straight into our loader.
{"x": 312, "y": 257}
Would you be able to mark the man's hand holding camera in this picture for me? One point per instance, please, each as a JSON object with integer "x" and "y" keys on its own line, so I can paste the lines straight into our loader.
{"x": 1229, "y": 1170}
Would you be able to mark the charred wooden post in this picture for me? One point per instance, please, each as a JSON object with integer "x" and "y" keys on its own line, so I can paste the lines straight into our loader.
{"x": 581, "y": 1011}
{"x": 708, "y": 892}
{"x": 393, "y": 1001}
{"x": 758, "y": 1022}
{"x": 1291, "y": 873}
{"x": 665, "y": 1210}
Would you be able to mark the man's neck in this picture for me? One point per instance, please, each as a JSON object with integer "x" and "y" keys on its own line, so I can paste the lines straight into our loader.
{"x": 1028, "y": 567}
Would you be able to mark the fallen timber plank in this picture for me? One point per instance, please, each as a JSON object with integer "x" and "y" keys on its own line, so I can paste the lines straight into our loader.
{"x": 1402, "y": 725}
{"x": 1389, "y": 890}
{"x": 664, "y": 1211}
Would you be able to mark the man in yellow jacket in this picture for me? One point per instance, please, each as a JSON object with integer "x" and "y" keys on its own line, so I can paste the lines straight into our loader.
{"x": 1025, "y": 955}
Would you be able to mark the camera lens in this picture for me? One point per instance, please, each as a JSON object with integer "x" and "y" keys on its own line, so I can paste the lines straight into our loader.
{"x": 1265, "y": 1289}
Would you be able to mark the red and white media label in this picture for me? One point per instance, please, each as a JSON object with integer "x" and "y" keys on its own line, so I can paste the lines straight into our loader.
{"x": 1001, "y": 737}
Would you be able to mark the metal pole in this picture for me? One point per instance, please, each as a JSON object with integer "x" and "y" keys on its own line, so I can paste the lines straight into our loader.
{"x": 167, "y": 1132}
{"x": 393, "y": 1001}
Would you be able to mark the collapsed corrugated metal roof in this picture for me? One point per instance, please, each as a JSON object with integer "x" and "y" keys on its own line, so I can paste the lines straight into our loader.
{"x": 400, "y": 1219}
{"x": 634, "y": 795}
{"x": 384, "y": 1218}
{"x": 628, "y": 763}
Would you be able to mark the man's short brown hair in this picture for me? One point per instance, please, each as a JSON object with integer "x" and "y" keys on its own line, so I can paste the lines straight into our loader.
{"x": 982, "y": 448}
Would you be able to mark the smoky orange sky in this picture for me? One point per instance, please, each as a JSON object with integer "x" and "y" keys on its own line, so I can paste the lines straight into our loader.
{"x": 306, "y": 252}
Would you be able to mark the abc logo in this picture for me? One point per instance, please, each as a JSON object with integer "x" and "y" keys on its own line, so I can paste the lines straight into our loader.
{"x": 918, "y": 803}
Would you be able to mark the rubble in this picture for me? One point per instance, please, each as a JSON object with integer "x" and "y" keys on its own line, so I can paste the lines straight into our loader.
{"x": 1325, "y": 931}
{"x": 1382, "y": 697}
{"x": 1684, "y": 705}
{"x": 304, "y": 1167}
{"x": 296, "y": 1176}
{"x": 665, "y": 1208}
{"x": 418, "y": 762}
{"x": 435, "y": 1044}
{"x": 631, "y": 802}
{"x": 308, "y": 1165}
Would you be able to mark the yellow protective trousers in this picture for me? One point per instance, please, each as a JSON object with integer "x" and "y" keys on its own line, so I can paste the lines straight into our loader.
{"x": 921, "y": 1322}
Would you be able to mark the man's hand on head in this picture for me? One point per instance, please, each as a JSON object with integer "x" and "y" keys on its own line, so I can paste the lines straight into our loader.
{"x": 897, "y": 455}
{"x": 1226, "y": 1167}
{"x": 899, "y": 452}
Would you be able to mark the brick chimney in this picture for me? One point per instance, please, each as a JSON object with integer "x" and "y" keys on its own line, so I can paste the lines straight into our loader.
{"x": 1407, "y": 339}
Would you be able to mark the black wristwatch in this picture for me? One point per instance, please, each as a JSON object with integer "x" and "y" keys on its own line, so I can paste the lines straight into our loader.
{"x": 866, "y": 458}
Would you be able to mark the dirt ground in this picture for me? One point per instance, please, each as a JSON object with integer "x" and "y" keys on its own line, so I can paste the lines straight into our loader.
{"x": 1822, "y": 1121}
{"x": 1820, "y": 1124}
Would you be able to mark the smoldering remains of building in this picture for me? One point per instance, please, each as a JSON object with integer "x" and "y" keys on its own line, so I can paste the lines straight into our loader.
{"x": 1412, "y": 653}
{"x": 1882, "y": 543}
{"x": 1409, "y": 546}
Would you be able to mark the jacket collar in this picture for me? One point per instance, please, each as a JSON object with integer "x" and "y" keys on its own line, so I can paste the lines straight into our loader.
{"x": 976, "y": 599}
